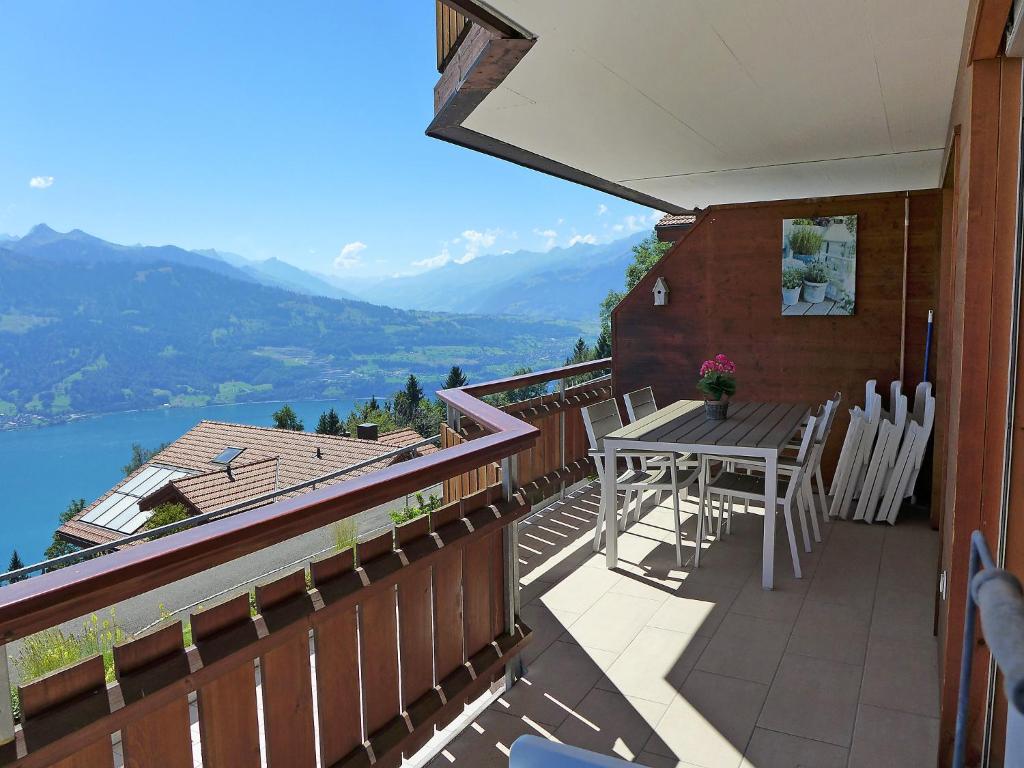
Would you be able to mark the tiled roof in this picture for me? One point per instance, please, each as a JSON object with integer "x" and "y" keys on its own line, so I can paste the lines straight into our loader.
{"x": 670, "y": 220}
{"x": 271, "y": 459}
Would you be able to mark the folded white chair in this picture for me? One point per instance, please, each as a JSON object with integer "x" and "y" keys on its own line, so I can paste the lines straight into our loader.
{"x": 881, "y": 460}
{"x": 908, "y": 464}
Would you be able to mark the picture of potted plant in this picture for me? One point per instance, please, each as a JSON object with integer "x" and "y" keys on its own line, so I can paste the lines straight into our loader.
{"x": 815, "y": 282}
{"x": 718, "y": 382}
{"x": 792, "y": 282}
{"x": 805, "y": 243}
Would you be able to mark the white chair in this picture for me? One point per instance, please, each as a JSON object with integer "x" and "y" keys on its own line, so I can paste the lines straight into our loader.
{"x": 641, "y": 403}
{"x": 752, "y": 488}
{"x": 600, "y": 420}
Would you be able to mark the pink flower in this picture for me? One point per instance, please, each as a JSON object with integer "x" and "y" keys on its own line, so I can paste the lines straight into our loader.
{"x": 718, "y": 364}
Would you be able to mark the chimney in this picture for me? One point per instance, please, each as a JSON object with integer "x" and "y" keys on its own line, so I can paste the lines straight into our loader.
{"x": 366, "y": 431}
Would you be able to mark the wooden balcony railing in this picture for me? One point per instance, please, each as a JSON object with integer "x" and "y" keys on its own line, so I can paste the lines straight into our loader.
{"x": 439, "y": 593}
{"x": 452, "y": 28}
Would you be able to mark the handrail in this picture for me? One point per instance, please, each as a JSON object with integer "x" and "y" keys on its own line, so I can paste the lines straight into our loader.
{"x": 47, "y": 600}
{"x": 194, "y": 520}
{"x": 535, "y": 377}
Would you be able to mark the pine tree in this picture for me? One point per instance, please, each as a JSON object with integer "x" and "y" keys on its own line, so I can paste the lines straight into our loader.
{"x": 413, "y": 391}
{"x": 603, "y": 345}
{"x": 14, "y": 564}
{"x": 286, "y": 418}
{"x": 456, "y": 378}
{"x": 329, "y": 423}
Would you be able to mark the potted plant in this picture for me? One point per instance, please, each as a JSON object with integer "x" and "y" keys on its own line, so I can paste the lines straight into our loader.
{"x": 718, "y": 382}
{"x": 804, "y": 243}
{"x": 815, "y": 282}
{"x": 792, "y": 282}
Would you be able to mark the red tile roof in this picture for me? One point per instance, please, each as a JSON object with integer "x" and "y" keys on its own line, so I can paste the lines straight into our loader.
{"x": 272, "y": 459}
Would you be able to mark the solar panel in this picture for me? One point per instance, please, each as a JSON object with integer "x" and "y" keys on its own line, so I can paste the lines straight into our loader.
{"x": 120, "y": 510}
{"x": 228, "y": 455}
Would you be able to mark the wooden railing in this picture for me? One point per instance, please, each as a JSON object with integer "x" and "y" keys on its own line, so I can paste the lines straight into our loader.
{"x": 390, "y": 639}
{"x": 556, "y": 460}
{"x": 452, "y": 28}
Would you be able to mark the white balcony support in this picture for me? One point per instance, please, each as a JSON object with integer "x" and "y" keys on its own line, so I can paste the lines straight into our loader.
{"x": 509, "y": 472}
{"x": 561, "y": 431}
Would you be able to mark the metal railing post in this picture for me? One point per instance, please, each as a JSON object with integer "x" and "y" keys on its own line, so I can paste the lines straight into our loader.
{"x": 452, "y": 416}
{"x": 7, "y": 748}
{"x": 509, "y": 471}
{"x": 561, "y": 431}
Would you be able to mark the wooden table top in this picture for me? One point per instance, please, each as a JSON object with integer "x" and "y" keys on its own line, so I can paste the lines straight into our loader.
{"x": 749, "y": 425}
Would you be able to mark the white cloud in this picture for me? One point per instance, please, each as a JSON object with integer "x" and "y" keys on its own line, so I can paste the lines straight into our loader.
{"x": 41, "y": 182}
{"x": 475, "y": 242}
{"x": 435, "y": 261}
{"x": 602, "y": 209}
{"x": 588, "y": 239}
{"x": 550, "y": 237}
{"x": 349, "y": 256}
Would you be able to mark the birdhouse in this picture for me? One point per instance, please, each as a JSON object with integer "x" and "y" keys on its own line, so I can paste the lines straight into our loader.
{"x": 660, "y": 292}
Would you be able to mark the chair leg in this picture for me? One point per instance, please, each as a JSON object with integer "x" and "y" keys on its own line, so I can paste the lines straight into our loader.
{"x": 728, "y": 523}
{"x": 822, "y": 495}
{"x": 803, "y": 520}
{"x": 808, "y": 491}
{"x": 791, "y": 535}
{"x": 675, "y": 512}
{"x": 721, "y": 514}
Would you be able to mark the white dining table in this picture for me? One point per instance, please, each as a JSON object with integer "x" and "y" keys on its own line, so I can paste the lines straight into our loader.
{"x": 754, "y": 430}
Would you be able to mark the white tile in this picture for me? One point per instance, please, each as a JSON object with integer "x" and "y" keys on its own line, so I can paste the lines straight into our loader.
{"x": 655, "y": 665}
{"x": 888, "y": 739}
{"x": 612, "y": 622}
{"x": 830, "y": 631}
{"x": 611, "y": 724}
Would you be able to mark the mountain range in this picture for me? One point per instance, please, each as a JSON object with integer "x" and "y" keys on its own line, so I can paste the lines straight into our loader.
{"x": 89, "y": 326}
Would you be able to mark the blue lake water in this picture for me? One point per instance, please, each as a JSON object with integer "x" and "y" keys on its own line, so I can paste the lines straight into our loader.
{"x": 43, "y": 469}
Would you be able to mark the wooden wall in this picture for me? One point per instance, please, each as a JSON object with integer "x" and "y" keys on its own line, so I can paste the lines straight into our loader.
{"x": 725, "y": 296}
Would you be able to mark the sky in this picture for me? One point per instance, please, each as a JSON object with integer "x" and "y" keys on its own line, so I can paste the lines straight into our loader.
{"x": 268, "y": 129}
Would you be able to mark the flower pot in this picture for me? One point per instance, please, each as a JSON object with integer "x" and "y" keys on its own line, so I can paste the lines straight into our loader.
{"x": 716, "y": 410}
{"x": 814, "y": 293}
{"x": 790, "y": 296}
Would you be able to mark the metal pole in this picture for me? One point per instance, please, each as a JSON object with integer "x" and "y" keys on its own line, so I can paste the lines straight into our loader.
{"x": 561, "y": 431}
{"x": 7, "y": 748}
{"x": 509, "y": 470}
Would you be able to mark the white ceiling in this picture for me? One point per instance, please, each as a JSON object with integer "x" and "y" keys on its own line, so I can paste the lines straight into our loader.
{"x": 712, "y": 101}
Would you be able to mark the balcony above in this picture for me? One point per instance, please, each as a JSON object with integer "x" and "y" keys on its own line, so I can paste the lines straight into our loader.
{"x": 682, "y": 104}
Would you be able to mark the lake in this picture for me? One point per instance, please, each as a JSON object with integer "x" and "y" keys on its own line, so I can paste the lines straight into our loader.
{"x": 43, "y": 469}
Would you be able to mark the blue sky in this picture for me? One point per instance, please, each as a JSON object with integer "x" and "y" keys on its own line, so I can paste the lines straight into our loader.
{"x": 292, "y": 130}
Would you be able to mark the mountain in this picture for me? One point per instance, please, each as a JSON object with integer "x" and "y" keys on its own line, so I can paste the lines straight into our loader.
{"x": 87, "y": 326}
{"x": 563, "y": 283}
{"x": 281, "y": 274}
{"x": 78, "y": 247}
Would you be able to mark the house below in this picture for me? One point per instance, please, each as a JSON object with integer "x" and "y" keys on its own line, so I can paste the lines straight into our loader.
{"x": 216, "y": 465}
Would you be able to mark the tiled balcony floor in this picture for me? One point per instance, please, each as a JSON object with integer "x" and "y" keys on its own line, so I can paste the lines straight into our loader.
{"x": 670, "y": 667}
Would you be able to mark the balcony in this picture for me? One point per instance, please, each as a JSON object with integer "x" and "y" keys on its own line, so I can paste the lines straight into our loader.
{"x": 683, "y": 667}
{"x": 364, "y": 656}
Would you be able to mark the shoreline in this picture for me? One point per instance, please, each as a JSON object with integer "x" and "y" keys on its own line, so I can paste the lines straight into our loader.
{"x": 42, "y": 422}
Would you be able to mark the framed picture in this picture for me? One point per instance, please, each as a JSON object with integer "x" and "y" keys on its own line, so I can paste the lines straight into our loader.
{"x": 819, "y": 266}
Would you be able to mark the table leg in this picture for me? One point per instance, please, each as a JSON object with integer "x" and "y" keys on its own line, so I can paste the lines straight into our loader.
{"x": 610, "y": 496}
{"x": 771, "y": 484}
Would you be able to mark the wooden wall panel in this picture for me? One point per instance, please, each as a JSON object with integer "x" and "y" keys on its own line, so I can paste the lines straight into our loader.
{"x": 726, "y": 297}
{"x": 378, "y": 634}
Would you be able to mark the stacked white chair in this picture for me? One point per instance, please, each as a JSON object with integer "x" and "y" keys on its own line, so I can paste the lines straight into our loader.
{"x": 857, "y": 447}
{"x": 883, "y": 457}
{"x": 907, "y": 466}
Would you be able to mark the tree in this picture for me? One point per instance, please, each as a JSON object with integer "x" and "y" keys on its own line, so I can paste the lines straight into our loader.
{"x": 371, "y": 413}
{"x": 60, "y": 546}
{"x": 329, "y": 423}
{"x": 165, "y": 514}
{"x": 413, "y": 391}
{"x": 580, "y": 353}
{"x": 285, "y": 418}
{"x": 603, "y": 345}
{"x": 455, "y": 379}
{"x": 646, "y": 254}
{"x": 140, "y": 456}
{"x": 14, "y": 564}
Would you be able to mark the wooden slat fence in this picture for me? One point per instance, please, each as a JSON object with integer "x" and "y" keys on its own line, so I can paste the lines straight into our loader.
{"x": 545, "y": 466}
{"x": 390, "y": 640}
{"x": 452, "y": 27}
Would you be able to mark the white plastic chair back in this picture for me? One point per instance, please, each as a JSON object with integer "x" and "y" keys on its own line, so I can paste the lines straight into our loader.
{"x": 921, "y": 395}
{"x": 869, "y": 393}
{"x": 640, "y": 403}
{"x": 895, "y": 391}
{"x": 600, "y": 419}
{"x": 926, "y": 424}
